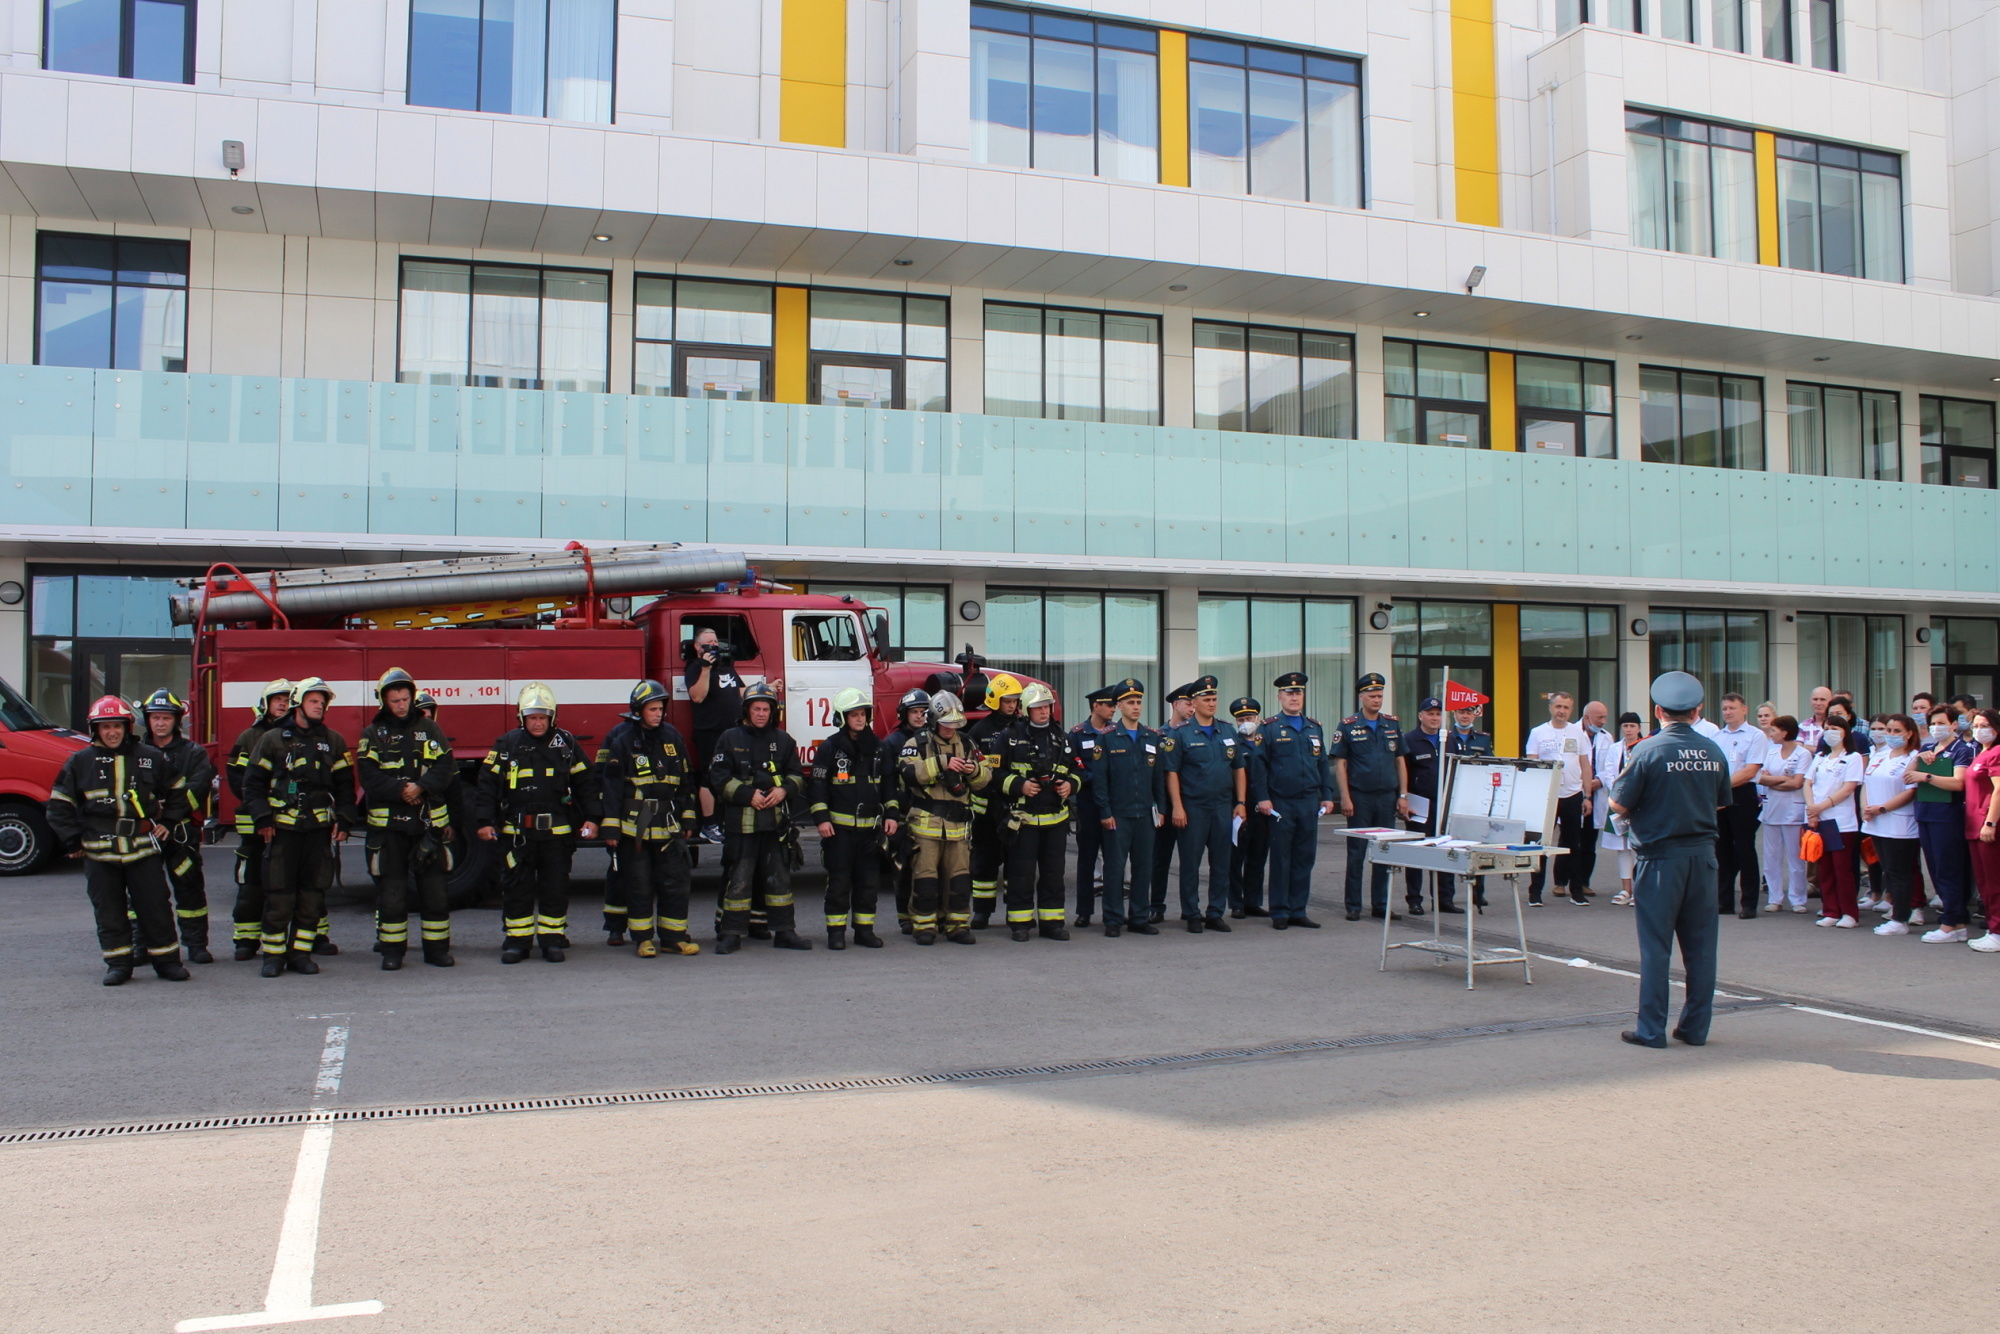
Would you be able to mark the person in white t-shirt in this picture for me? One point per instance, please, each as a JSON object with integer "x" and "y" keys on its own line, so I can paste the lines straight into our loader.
{"x": 1567, "y": 743}
{"x": 1831, "y": 782}
{"x": 1783, "y": 780}
{"x": 1889, "y": 818}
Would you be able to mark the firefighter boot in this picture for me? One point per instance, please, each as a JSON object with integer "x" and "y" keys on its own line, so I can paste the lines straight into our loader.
{"x": 117, "y": 974}
{"x": 760, "y": 932}
{"x": 1020, "y": 933}
{"x": 836, "y": 937}
{"x": 1054, "y": 930}
{"x": 246, "y": 950}
{"x": 790, "y": 940}
{"x": 274, "y": 966}
{"x": 552, "y": 953}
{"x": 172, "y": 969}
{"x": 323, "y": 944}
{"x": 392, "y": 957}
{"x": 437, "y": 953}
{"x": 981, "y": 920}
{"x": 959, "y": 935}
{"x": 647, "y": 949}
{"x": 726, "y": 943}
{"x": 299, "y": 961}
{"x": 865, "y": 937}
{"x": 516, "y": 949}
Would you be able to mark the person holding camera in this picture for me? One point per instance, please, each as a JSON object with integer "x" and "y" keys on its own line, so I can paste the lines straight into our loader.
{"x": 941, "y": 770}
{"x": 405, "y": 764}
{"x": 716, "y": 692}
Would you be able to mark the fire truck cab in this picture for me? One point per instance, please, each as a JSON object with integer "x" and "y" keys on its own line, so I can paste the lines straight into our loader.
{"x": 32, "y": 753}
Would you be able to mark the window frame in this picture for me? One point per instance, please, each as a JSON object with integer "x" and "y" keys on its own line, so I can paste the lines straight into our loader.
{"x": 1657, "y": 619}
{"x": 1572, "y": 14}
{"x": 1359, "y": 83}
{"x": 1869, "y": 700}
{"x": 402, "y": 263}
{"x": 1583, "y": 414}
{"x": 127, "y": 26}
{"x": 1096, "y": 44}
{"x": 1680, "y": 410}
{"x": 1419, "y": 400}
{"x": 1635, "y": 116}
{"x": 1246, "y": 328}
{"x": 1042, "y": 337}
{"x": 1246, "y": 660}
{"x": 679, "y": 349}
{"x": 1862, "y": 154}
{"x": 1991, "y": 453}
{"x": 114, "y": 284}
{"x": 999, "y": 661}
{"x": 891, "y": 599}
{"x": 816, "y": 356}
{"x": 1896, "y": 400}
{"x": 479, "y": 66}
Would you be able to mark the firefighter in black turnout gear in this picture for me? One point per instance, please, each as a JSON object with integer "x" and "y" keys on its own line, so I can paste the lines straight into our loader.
{"x": 537, "y": 795}
{"x": 107, "y": 806}
{"x": 405, "y": 765}
{"x": 615, "y": 916}
{"x": 989, "y": 845}
{"x": 247, "y": 917}
{"x": 755, "y": 774}
{"x": 190, "y": 792}
{"x": 649, "y": 816}
{"x": 913, "y": 713}
{"x": 299, "y": 791}
{"x": 1039, "y": 772}
{"x": 845, "y": 790}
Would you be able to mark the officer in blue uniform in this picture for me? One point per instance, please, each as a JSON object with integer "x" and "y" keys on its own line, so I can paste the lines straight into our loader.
{"x": 1291, "y": 782}
{"x": 1180, "y": 707}
{"x": 1253, "y": 841}
{"x": 1673, "y": 787}
{"x": 1129, "y": 787}
{"x": 1368, "y": 765}
{"x": 1206, "y": 790}
{"x": 1089, "y": 832}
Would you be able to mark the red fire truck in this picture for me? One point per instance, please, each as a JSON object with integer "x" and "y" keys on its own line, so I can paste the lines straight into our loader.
{"x": 474, "y": 631}
{"x": 32, "y": 751}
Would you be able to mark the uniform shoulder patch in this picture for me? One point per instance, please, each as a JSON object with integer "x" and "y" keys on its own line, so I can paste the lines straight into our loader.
{"x": 1166, "y": 743}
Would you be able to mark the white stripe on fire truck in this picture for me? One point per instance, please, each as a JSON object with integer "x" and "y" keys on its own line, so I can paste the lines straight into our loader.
{"x": 594, "y": 690}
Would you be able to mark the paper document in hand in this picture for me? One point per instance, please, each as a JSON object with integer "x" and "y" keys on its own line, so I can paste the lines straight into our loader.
{"x": 1235, "y": 830}
{"x": 1420, "y": 807}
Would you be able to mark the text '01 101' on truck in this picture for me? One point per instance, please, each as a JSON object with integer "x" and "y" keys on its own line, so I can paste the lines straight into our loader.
{"x": 473, "y": 632}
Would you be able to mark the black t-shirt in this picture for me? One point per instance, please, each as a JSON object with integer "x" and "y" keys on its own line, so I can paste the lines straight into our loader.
{"x": 724, "y": 705}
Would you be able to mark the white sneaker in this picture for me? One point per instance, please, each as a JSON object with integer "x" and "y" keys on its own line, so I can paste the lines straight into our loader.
{"x": 1945, "y": 935}
{"x": 1892, "y": 928}
{"x": 1827, "y": 921}
{"x": 1865, "y": 902}
{"x": 1849, "y": 923}
{"x": 1801, "y": 907}
{"x": 1773, "y": 907}
{"x": 1916, "y": 917}
{"x": 1884, "y": 907}
{"x": 1987, "y": 944}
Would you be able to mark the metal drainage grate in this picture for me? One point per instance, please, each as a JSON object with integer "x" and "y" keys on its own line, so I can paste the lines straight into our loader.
{"x": 711, "y": 1093}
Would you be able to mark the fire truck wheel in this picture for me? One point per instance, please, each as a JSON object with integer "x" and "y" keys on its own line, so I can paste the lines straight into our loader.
{"x": 26, "y": 844}
{"x": 475, "y": 870}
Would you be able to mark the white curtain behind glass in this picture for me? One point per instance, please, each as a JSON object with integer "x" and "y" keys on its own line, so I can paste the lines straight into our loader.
{"x": 581, "y": 42}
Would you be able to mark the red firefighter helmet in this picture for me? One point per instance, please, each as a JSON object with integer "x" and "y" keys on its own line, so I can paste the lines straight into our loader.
{"x": 109, "y": 709}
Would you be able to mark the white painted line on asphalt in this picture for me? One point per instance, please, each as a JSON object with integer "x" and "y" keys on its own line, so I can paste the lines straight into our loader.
{"x": 1624, "y": 972}
{"x": 288, "y": 1299}
{"x": 1901, "y": 1028}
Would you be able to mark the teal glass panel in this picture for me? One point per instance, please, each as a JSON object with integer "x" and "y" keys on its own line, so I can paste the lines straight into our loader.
{"x": 1800, "y": 524}
{"x": 412, "y": 484}
{"x": 827, "y": 481}
{"x": 1438, "y": 504}
{"x": 583, "y": 468}
{"x": 1549, "y": 517}
{"x": 666, "y": 471}
{"x": 1931, "y": 554}
{"x": 1049, "y": 506}
{"x": 234, "y": 426}
{"x": 499, "y": 493}
{"x": 1494, "y": 520}
{"x": 1973, "y": 524}
{"x": 1188, "y": 495}
{"x": 1318, "y": 489}
{"x": 1751, "y": 537}
{"x": 976, "y": 473}
{"x": 140, "y": 465}
{"x": 320, "y": 473}
{"x": 1704, "y": 511}
{"x": 45, "y": 444}
{"x": 1378, "y": 511}
{"x": 1603, "y": 544}
{"x": 1654, "y": 521}
{"x": 1253, "y": 519}
{"x": 1117, "y": 506}
{"x": 903, "y": 480}
{"x": 746, "y": 470}
{"x": 1891, "y": 535}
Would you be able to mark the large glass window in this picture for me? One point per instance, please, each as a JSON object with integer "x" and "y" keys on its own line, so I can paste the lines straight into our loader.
{"x": 692, "y": 338}
{"x": 1248, "y": 642}
{"x": 101, "y": 632}
{"x": 1065, "y": 94}
{"x": 1072, "y": 365}
{"x": 1958, "y": 438}
{"x": 1727, "y": 650}
{"x": 1823, "y": 22}
{"x": 1701, "y": 420}
{"x": 504, "y": 326}
{"x": 1435, "y": 394}
{"x": 1840, "y": 210}
{"x": 126, "y": 39}
{"x": 1860, "y": 656}
{"x": 1564, "y": 406}
{"x": 915, "y": 611}
{"x": 1965, "y": 658}
{"x": 1430, "y": 640}
{"x": 1624, "y": 14}
{"x": 1278, "y": 381}
{"x": 519, "y": 57}
{"x": 879, "y": 350}
{"x": 111, "y": 302}
{"x": 1842, "y": 432}
{"x": 1076, "y": 641}
{"x": 1572, "y": 650}
{"x": 1268, "y": 121}
{"x": 1693, "y": 186}
{"x": 1758, "y": 27}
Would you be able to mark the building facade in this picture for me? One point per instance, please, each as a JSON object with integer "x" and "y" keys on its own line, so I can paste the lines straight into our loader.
{"x": 1543, "y": 342}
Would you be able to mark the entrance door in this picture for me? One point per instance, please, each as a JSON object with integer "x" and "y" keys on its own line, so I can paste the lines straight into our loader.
{"x": 1968, "y": 467}
{"x": 1546, "y": 432}
{"x": 729, "y": 374}
{"x": 1459, "y": 425}
{"x": 1977, "y": 684}
{"x": 130, "y": 669}
{"x": 849, "y": 381}
{"x": 1542, "y": 677}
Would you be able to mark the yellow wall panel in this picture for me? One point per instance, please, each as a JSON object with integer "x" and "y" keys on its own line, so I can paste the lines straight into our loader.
{"x": 1475, "y": 113}
{"x": 1506, "y": 690}
{"x": 812, "y": 89}
{"x": 1501, "y": 419}
{"x": 1767, "y": 197}
{"x": 790, "y": 378}
{"x": 1174, "y": 149}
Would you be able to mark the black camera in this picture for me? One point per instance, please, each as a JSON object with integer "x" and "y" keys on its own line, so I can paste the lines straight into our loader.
{"x": 716, "y": 652}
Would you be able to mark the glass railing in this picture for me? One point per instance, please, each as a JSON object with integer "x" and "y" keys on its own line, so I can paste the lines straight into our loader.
{"x": 122, "y": 449}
